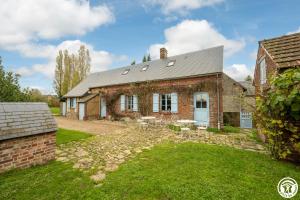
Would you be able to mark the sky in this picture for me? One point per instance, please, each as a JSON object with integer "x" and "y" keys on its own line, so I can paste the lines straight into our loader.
{"x": 119, "y": 31}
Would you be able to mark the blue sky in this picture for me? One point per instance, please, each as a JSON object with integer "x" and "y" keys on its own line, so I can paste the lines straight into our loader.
{"x": 117, "y": 32}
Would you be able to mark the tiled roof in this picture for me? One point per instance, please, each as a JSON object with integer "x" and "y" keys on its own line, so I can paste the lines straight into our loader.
{"x": 24, "y": 119}
{"x": 250, "y": 89}
{"x": 196, "y": 63}
{"x": 284, "y": 50}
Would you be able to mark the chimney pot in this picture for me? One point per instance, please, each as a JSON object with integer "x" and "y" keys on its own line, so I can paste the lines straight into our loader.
{"x": 163, "y": 53}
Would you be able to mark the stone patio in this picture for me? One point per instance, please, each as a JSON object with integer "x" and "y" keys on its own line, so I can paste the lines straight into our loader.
{"x": 104, "y": 153}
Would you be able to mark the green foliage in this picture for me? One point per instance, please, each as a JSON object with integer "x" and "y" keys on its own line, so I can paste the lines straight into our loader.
{"x": 168, "y": 171}
{"x": 174, "y": 128}
{"x": 278, "y": 114}
{"x": 133, "y": 62}
{"x": 144, "y": 59}
{"x": 248, "y": 78}
{"x": 213, "y": 130}
{"x": 64, "y": 136}
{"x": 231, "y": 129}
{"x": 10, "y": 90}
{"x": 149, "y": 57}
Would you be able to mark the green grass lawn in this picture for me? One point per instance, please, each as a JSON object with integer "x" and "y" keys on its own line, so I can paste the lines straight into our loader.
{"x": 168, "y": 171}
{"x": 65, "y": 136}
{"x": 55, "y": 110}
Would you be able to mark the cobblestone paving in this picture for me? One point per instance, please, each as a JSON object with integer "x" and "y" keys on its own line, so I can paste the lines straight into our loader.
{"x": 103, "y": 153}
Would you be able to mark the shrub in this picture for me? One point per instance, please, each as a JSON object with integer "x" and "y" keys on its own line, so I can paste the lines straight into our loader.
{"x": 174, "y": 128}
{"x": 278, "y": 114}
{"x": 214, "y": 130}
{"x": 231, "y": 129}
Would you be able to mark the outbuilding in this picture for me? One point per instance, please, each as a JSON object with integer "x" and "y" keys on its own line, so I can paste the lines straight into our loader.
{"x": 27, "y": 135}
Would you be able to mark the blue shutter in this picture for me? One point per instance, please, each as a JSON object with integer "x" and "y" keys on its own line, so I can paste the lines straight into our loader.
{"x": 122, "y": 103}
{"x": 174, "y": 103}
{"x": 74, "y": 104}
{"x": 155, "y": 102}
{"x": 68, "y": 104}
{"x": 135, "y": 103}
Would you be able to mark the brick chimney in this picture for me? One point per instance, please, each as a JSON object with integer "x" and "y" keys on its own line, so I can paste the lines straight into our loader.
{"x": 163, "y": 53}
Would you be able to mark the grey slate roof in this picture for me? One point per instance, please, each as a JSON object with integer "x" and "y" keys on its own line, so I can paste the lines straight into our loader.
{"x": 87, "y": 98}
{"x": 24, "y": 119}
{"x": 250, "y": 90}
{"x": 196, "y": 63}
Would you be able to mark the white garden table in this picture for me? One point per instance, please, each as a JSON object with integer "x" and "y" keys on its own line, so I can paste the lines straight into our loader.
{"x": 186, "y": 121}
{"x": 148, "y": 118}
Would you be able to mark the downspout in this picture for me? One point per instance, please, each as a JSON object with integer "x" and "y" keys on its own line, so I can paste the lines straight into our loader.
{"x": 218, "y": 96}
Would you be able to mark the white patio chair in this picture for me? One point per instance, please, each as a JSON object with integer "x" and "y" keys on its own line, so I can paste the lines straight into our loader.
{"x": 202, "y": 126}
{"x": 159, "y": 121}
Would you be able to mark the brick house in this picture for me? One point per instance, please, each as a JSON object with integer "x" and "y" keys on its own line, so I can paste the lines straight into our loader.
{"x": 27, "y": 135}
{"x": 274, "y": 56}
{"x": 187, "y": 86}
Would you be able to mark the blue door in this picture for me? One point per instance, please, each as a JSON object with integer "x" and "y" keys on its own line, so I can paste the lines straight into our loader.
{"x": 246, "y": 120}
{"x": 201, "y": 108}
{"x": 103, "y": 107}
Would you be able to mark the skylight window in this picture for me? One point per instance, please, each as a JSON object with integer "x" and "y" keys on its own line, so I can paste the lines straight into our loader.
{"x": 144, "y": 68}
{"x": 125, "y": 71}
{"x": 171, "y": 63}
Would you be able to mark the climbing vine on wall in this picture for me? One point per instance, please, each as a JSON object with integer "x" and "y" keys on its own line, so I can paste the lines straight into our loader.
{"x": 278, "y": 115}
{"x": 144, "y": 93}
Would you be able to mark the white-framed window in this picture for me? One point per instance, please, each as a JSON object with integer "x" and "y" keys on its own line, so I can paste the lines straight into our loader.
{"x": 129, "y": 102}
{"x": 263, "y": 72}
{"x": 165, "y": 102}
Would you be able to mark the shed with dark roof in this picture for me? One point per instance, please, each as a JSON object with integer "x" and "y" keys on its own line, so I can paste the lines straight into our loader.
{"x": 27, "y": 135}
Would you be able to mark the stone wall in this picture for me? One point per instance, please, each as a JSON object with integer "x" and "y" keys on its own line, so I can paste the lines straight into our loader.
{"x": 231, "y": 95}
{"x": 27, "y": 151}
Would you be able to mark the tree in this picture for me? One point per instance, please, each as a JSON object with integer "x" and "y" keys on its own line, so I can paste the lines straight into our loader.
{"x": 83, "y": 62}
{"x": 278, "y": 115}
{"x": 144, "y": 59}
{"x": 71, "y": 69}
{"x": 67, "y": 73}
{"x": 10, "y": 90}
{"x": 149, "y": 57}
{"x": 133, "y": 62}
{"x": 248, "y": 78}
{"x": 37, "y": 96}
{"x": 58, "y": 77}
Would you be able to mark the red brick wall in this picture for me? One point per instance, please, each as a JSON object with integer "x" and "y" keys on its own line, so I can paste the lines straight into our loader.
{"x": 185, "y": 101}
{"x": 271, "y": 69}
{"x": 27, "y": 151}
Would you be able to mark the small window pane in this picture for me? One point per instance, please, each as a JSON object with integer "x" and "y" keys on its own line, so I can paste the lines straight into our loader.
{"x": 198, "y": 104}
{"x": 204, "y": 103}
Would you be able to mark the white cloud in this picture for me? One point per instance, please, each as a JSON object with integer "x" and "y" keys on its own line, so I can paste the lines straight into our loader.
{"x": 100, "y": 60}
{"x": 296, "y": 31}
{"x": 181, "y": 6}
{"x": 23, "y": 22}
{"x": 238, "y": 71}
{"x": 192, "y": 35}
{"x": 24, "y": 71}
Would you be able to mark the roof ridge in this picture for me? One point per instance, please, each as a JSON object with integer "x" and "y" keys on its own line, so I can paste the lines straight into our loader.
{"x": 143, "y": 63}
{"x": 280, "y": 37}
